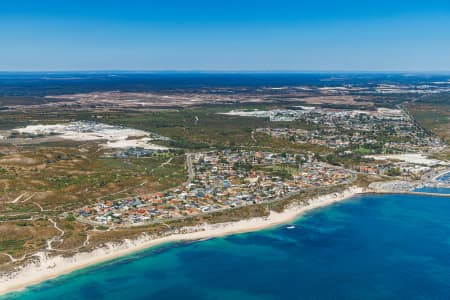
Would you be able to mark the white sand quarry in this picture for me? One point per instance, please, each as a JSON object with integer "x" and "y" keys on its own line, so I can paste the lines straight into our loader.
{"x": 252, "y": 113}
{"x": 413, "y": 158}
{"x": 114, "y": 136}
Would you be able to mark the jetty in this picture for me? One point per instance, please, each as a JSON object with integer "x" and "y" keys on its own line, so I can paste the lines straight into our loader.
{"x": 414, "y": 193}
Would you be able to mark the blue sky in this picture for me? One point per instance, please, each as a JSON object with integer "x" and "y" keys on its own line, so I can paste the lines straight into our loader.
{"x": 345, "y": 35}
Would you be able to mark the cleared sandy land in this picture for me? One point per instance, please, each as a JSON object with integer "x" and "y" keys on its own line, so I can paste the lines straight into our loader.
{"x": 413, "y": 158}
{"x": 115, "y": 136}
{"x": 155, "y": 100}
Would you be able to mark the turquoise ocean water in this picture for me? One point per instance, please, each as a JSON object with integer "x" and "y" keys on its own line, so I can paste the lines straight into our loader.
{"x": 369, "y": 247}
{"x": 438, "y": 190}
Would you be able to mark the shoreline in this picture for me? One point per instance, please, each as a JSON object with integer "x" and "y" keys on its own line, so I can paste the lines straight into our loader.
{"x": 52, "y": 267}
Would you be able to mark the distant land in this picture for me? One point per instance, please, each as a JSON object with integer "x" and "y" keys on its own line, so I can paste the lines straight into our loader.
{"x": 98, "y": 165}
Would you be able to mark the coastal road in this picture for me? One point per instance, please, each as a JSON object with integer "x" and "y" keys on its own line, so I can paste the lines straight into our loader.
{"x": 190, "y": 168}
{"x": 191, "y": 173}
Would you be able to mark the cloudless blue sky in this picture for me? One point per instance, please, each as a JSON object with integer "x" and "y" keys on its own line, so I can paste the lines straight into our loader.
{"x": 345, "y": 35}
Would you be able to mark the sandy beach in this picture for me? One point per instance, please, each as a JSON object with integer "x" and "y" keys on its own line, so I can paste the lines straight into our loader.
{"x": 51, "y": 267}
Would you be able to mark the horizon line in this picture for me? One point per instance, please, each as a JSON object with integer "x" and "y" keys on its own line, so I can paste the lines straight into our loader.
{"x": 243, "y": 71}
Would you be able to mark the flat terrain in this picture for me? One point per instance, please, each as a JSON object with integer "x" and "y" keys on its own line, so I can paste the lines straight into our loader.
{"x": 435, "y": 117}
{"x": 46, "y": 181}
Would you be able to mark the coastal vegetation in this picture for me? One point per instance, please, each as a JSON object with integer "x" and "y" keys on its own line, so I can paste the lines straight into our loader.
{"x": 434, "y": 116}
{"x": 215, "y": 163}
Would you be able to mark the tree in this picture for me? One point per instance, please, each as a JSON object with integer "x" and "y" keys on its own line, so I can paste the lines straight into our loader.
{"x": 394, "y": 172}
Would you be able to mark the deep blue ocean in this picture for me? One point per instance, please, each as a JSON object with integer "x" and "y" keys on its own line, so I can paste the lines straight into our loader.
{"x": 437, "y": 190}
{"x": 369, "y": 247}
